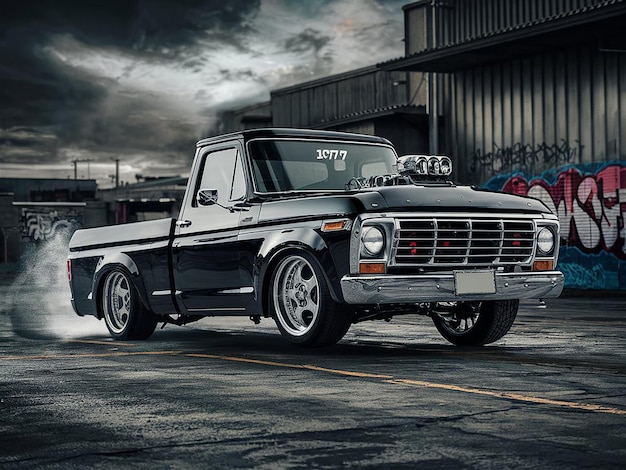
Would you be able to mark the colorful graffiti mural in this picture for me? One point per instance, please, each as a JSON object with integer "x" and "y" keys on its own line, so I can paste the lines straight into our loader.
{"x": 590, "y": 201}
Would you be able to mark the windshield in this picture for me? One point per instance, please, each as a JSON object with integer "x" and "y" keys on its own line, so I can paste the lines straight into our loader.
{"x": 281, "y": 165}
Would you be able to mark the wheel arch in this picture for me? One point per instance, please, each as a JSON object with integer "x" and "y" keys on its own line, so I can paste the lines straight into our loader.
{"x": 313, "y": 245}
{"x": 117, "y": 262}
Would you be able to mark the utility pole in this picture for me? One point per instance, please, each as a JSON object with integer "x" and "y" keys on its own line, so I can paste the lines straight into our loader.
{"x": 117, "y": 171}
{"x": 76, "y": 162}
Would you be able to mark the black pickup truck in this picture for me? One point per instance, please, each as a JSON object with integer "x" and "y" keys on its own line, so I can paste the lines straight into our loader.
{"x": 320, "y": 230}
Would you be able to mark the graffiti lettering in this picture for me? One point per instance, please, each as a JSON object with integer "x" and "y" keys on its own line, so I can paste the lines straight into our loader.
{"x": 588, "y": 207}
{"x": 41, "y": 224}
{"x": 579, "y": 275}
{"x": 590, "y": 202}
{"x": 524, "y": 157}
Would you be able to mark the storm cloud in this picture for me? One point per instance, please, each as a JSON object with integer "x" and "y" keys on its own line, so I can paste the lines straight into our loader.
{"x": 143, "y": 80}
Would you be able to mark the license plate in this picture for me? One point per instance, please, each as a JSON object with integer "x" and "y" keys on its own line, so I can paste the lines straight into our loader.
{"x": 474, "y": 282}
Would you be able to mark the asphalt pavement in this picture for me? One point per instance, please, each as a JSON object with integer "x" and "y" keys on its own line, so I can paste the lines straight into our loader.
{"x": 225, "y": 393}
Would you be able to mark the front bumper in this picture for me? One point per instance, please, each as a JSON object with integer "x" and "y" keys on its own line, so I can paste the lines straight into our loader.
{"x": 391, "y": 289}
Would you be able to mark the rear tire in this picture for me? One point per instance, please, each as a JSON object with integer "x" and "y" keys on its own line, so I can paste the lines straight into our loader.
{"x": 301, "y": 304}
{"x": 125, "y": 316}
{"x": 476, "y": 323}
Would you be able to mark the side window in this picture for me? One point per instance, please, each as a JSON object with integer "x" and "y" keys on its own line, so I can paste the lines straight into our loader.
{"x": 222, "y": 171}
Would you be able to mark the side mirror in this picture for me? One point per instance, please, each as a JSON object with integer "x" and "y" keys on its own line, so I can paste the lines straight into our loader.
{"x": 207, "y": 197}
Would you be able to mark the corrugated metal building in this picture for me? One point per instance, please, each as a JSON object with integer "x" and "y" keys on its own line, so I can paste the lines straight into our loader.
{"x": 517, "y": 76}
{"x": 366, "y": 101}
{"x": 249, "y": 117}
{"x": 532, "y": 95}
{"x": 526, "y": 96}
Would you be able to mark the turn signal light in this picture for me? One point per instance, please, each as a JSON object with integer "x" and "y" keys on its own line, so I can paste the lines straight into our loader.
{"x": 543, "y": 265}
{"x": 69, "y": 269}
{"x": 372, "y": 268}
{"x": 335, "y": 225}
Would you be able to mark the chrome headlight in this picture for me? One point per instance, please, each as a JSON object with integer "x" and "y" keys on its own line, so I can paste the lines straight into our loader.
{"x": 545, "y": 241}
{"x": 372, "y": 241}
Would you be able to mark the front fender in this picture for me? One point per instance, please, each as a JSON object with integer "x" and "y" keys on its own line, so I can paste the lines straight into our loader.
{"x": 276, "y": 246}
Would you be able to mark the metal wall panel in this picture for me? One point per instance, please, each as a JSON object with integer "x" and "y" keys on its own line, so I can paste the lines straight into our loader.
{"x": 533, "y": 114}
{"x": 598, "y": 97}
{"x": 312, "y": 103}
{"x": 573, "y": 95}
{"x": 612, "y": 114}
{"x": 621, "y": 118}
{"x": 584, "y": 107}
{"x": 462, "y": 20}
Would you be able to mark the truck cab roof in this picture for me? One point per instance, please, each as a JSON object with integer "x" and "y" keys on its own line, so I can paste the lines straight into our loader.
{"x": 279, "y": 132}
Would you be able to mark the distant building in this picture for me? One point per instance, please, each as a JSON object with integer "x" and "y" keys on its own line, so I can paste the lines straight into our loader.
{"x": 9, "y": 230}
{"x": 34, "y": 210}
{"x": 153, "y": 198}
{"x": 249, "y": 117}
{"x": 366, "y": 101}
{"x": 49, "y": 189}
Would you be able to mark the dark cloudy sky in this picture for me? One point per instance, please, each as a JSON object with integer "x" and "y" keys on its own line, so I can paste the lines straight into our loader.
{"x": 143, "y": 80}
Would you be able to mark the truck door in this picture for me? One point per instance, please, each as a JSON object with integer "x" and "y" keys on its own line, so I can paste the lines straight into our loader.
{"x": 205, "y": 255}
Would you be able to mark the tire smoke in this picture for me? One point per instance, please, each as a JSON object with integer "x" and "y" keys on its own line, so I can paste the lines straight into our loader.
{"x": 39, "y": 299}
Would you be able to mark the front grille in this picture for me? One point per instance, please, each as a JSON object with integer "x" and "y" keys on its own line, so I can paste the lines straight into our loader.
{"x": 442, "y": 242}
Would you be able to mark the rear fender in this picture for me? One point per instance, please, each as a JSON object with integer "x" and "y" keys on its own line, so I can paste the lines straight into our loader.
{"x": 121, "y": 262}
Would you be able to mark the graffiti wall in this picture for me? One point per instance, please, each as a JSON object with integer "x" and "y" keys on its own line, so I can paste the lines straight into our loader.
{"x": 524, "y": 157}
{"x": 590, "y": 201}
{"x": 39, "y": 223}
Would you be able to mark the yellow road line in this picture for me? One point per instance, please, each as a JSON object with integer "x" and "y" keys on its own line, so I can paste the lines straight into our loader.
{"x": 512, "y": 396}
{"x": 110, "y": 354}
{"x": 349, "y": 373}
{"x": 243, "y": 359}
{"x": 293, "y": 366}
{"x": 391, "y": 380}
{"x": 386, "y": 378}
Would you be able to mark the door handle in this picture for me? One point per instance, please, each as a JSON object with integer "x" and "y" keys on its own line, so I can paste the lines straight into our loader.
{"x": 183, "y": 223}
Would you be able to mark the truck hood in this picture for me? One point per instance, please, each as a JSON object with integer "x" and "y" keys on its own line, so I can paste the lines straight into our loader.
{"x": 457, "y": 198}
{"x": 433, "y": 198}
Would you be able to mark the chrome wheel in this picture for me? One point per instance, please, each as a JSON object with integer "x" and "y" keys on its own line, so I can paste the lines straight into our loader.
{"x": 117, "y": 302}
{"x": 296, "y": 295}
{"x": 125, "y": 315}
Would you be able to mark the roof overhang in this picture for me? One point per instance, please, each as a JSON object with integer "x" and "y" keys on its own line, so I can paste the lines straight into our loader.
{"x": 603, "y": 27}
{"x": 418, "y": 112}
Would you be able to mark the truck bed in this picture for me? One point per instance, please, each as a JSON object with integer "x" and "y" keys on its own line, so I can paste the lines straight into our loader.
{"x": 140, "y": 248}
{"x": 127, "y": 234}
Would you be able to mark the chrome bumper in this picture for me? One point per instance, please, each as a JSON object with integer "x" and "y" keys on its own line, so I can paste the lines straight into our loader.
{"x": 390, "y": 289}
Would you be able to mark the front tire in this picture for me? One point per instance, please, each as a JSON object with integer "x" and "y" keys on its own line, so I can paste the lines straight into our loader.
{"x": 302, "y": 306}
{"x": 125, "y": 316}
{"x": 476, "y": 323}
